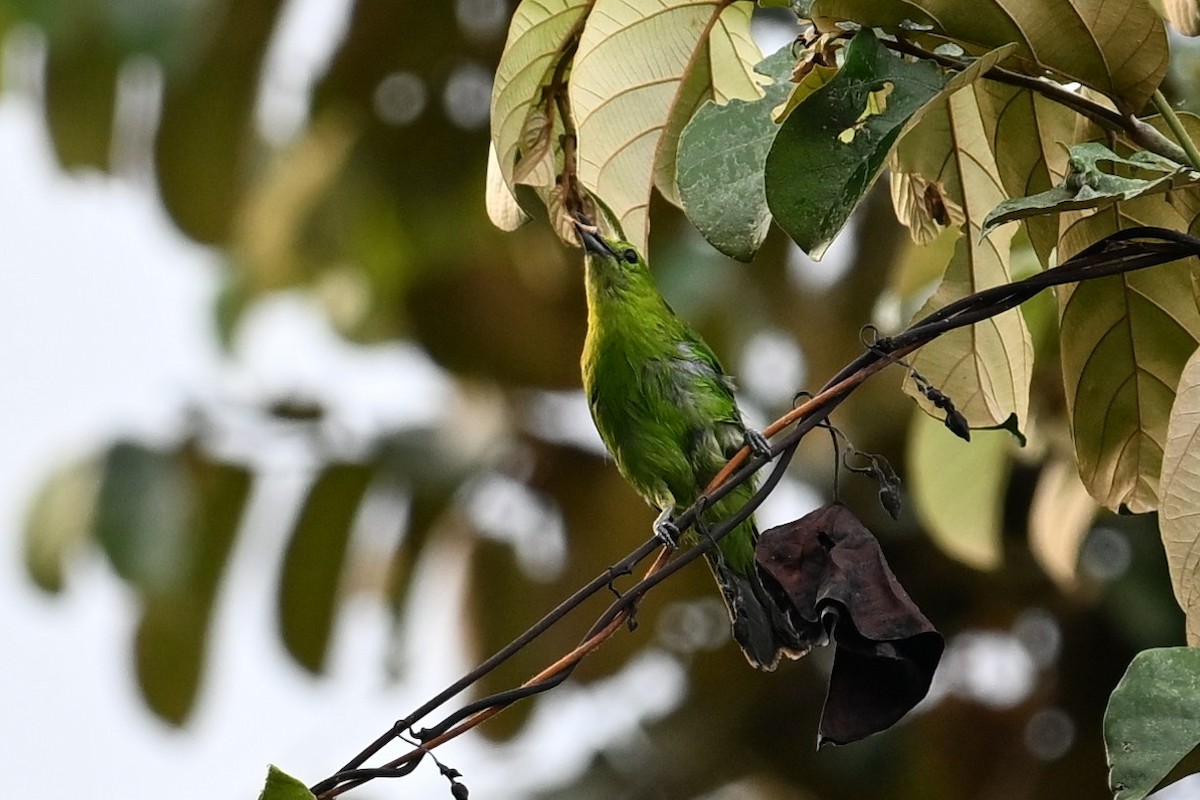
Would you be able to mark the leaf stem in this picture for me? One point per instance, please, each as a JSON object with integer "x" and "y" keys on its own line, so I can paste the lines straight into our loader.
{"x": 1176, "y": 126}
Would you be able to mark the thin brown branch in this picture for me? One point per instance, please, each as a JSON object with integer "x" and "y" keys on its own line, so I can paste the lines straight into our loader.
{"x": 557, "y": 90}
{"x": 1139, "y": 132}
{"x": 805, "y": 409}
{"x": 564, "y": 663}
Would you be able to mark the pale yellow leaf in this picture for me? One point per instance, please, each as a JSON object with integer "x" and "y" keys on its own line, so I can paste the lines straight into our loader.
{"x": 1059, "y": 520}
{"x": 502, "y": 207}
{"x": 985, "y": 368}
{"x": 693, "y": 91}
{"x": 727, "y": 73}
{"x": 58, "y": 522}
{"x": 958, "y": 489}
{"x": 1124, "y": 341}
{"x": 814, "y": 78}
{"x": 562, "y": 223}
{"x": 542, "y": 34}
{"x": 923, "y": 206}
{"x": 1184, "y": 15}
{"x": 1179, "y": 516}
{"x": 632, "y": 87}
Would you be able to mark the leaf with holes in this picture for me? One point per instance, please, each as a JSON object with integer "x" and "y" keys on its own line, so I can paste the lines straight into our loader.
{"x": 814, "y": 179}
{"x": 722, "y": 153}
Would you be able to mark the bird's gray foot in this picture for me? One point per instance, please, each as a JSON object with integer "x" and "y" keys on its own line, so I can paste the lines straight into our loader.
{"x": 666, "y": 530}
{"x": 757, "y": 443}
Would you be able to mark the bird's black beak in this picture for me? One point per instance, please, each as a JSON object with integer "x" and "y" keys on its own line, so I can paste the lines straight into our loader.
{"x": 590, "y": 238}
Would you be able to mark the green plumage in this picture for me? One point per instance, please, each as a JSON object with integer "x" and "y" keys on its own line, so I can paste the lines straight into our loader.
{"x": 666, "y": 411}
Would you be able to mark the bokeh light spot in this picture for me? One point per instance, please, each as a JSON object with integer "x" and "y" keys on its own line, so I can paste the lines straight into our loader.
{"x": 691, "y": 626}
{"x": 1106, "y": 554}
{"x": 400, "y": 98}
{"x": 1038, "y": 631}
{"x": 481, "y": 19}
{"x": 772, "y": 367}
{"x": 1049, "y": 734}
{"x": 468, "y": 96}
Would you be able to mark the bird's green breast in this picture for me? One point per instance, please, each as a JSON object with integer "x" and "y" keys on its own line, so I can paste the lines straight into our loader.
{"x": 659, "y": 399}
{"x": 632, "y": 406}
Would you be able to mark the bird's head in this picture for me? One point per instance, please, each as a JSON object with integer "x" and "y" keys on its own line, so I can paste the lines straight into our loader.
{"x": 614, "y": 265}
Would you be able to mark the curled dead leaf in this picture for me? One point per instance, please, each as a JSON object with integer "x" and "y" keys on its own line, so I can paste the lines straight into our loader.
{"x": 838, "y": 585}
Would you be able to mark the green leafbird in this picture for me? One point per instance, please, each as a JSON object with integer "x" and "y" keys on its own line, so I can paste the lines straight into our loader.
{"x": 666, "y": 412}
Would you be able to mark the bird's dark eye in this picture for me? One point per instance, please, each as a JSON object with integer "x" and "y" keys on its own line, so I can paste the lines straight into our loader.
{"x": 630, "y": 256}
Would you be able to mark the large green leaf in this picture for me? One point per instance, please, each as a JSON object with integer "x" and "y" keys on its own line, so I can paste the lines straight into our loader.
{"x": 1116, "y": 48}
{"x": 640, "y": 72}
{"x": 963, "y": 517}
{"x": 722, "y": 154}
{"x": 499, "y": 199}
{"x": 312, "y": 565}
{"x": 984, "y": 368}
{"x": 814, "y": 179}
{"x": 1152, "y": 720}
{"x": 1179, "y": 515}
{"x": 1124, "y": 341}
{"x": 723, "y": 73}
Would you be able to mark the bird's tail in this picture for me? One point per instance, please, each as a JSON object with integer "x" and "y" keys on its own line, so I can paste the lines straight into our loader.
{"x": 760, "y": 627}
